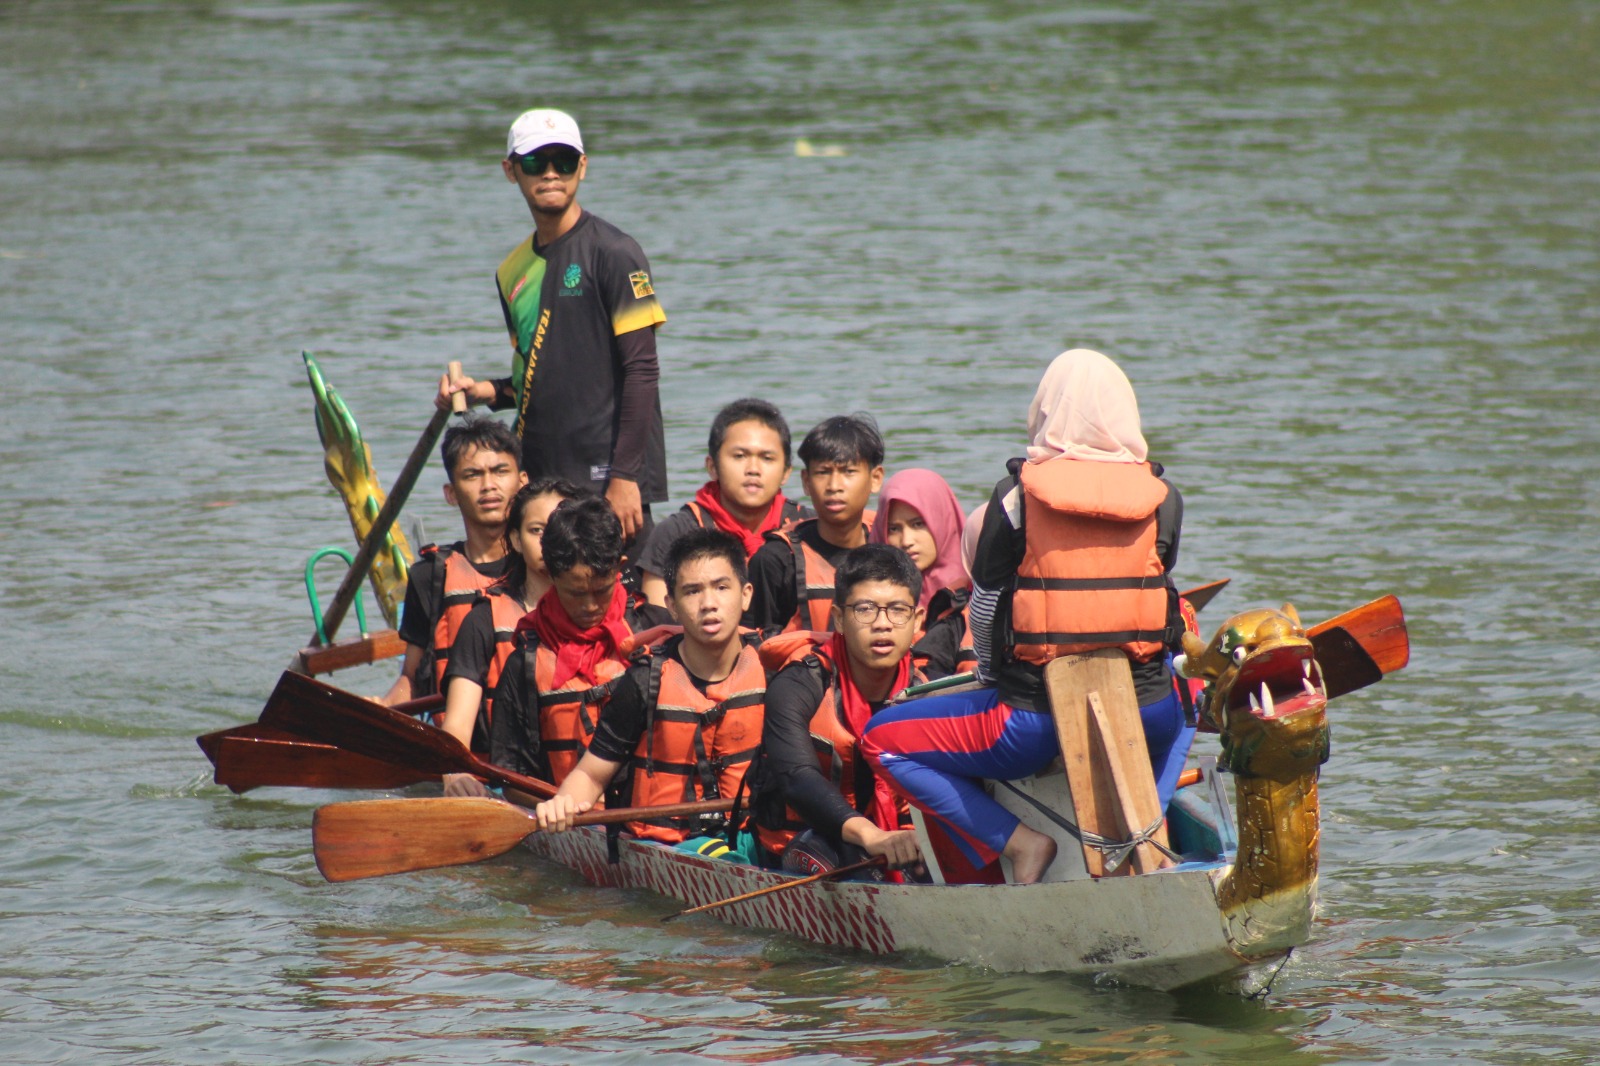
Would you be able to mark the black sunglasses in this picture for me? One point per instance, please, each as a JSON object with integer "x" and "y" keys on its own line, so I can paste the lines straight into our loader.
{"x": 565, "y": 160}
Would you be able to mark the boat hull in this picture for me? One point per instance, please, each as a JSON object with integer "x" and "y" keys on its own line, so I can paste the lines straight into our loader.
{"x": 1162, "y": 930}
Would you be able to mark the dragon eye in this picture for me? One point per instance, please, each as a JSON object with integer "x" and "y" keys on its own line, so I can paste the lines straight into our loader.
{"x": 1240, "y": 653}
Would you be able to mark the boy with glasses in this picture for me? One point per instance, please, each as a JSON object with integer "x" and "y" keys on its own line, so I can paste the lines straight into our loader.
{"x": 582, "y": 312}
{"x": 814, "y": 793}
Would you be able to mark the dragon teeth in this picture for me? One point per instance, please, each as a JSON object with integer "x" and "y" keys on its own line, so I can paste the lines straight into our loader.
{"x": 1267, "y": 707}
{"x": 1255, "y": 704}
{"x": 1311, "y": 689}
{"x": 1305, "y": 668}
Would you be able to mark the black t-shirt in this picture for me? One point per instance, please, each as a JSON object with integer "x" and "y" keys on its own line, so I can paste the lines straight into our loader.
{"x": 1001, "y": 547}
{"x": 681, "y": 522}
{"x": 514, "y": 738}
{"x": 420, "y": 615}
{"x": 772, "y": 576}
{"x": 653, "y": 559}
{"x": 582, "y": 311}
{"x": 791, "y": 770}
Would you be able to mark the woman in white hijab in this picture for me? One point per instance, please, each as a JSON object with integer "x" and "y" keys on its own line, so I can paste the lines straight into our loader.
{"x": 1073, "y": 554}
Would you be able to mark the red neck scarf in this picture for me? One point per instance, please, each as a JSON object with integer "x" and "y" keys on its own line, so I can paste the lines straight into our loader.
{"x": 710, "y": 498}
{"x": 579, "y": 651}
{"x": 885, "y": 810}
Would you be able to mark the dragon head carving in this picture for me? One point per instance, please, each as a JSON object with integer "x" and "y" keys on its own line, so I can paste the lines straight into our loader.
{"x": 1264, "y": 693}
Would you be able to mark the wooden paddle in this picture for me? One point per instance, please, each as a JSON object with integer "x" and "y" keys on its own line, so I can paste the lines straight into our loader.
{"x": 317, "y": 711}
{"x": 1361, "y": 645}
{"x": 255, "y": 755}
{"x": 1201, "y": 595}
{"x": 373, "y": 838}
{"x": 1138, "y": 805}
{"x": 247, "y": 762}
{"x": 1101, "y": 807}
{"x": 876, "y": 860}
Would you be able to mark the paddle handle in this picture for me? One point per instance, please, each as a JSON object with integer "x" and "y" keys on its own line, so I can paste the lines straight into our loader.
{"x": 421, "y": 705}
{"x": 499, "y": 775}
{"x": 458, "y": 401}
{"x": 671, "y": 810}
{"x": 381, "y": 525}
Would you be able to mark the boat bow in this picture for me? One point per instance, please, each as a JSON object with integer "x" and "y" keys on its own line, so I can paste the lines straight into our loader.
{"x": 1266, "y": 696}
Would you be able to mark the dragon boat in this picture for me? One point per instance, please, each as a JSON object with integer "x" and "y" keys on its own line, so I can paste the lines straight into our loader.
{"x": 1236, "y": 895}
{"x": 1238, "y": 899}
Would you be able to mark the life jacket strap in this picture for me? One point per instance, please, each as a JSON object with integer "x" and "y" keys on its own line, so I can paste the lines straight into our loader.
{"x": 1091, "y": 584}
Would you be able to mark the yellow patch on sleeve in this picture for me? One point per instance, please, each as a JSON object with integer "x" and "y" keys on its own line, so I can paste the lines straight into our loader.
{"x": 641, "y": 284}
{"x": 638, "y": 316}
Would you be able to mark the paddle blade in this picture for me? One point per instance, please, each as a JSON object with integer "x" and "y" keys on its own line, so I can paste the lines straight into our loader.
{"x": 319, "y": 711}
{"x": 1361, "y": 645}
{"x": 1201, "y": 595}
{"x": 1380, "y": 628}
{"x": 211, "y": 743}
{"x": 245, "y": 762}
{"x": 374, "y": 838}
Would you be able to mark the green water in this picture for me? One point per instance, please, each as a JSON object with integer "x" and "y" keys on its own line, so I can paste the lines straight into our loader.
{"x": 1346, "y": 251}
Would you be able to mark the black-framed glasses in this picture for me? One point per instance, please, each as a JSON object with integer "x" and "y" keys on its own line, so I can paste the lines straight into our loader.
{"x": 565, "y": 160}
{"x": 865, "y": 612}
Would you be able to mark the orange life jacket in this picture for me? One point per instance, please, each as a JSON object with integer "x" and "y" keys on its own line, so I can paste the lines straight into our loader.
{"x": 813, "y": 581}
{"x": 456, "y": 585}
{"x": 567, "y": 715}
{"x": 507, "y": 611}
{"x": 966, "y": 656}
{"x": 838, "y": 753}
{"x": 1090, "y": 575}
{"x": 696, "y": 745}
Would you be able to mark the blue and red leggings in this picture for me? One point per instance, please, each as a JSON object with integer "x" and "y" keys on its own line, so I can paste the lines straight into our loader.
{"x": 935, "y": 751}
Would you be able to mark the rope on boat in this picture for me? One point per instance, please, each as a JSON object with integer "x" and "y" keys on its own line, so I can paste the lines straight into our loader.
{"x": 1116, "y": 851}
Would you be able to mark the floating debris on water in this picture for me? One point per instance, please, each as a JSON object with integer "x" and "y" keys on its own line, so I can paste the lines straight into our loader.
{"x": 805, "y": 149}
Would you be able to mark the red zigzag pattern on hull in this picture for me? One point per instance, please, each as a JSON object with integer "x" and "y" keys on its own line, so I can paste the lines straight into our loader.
{"x": 820, "y": 912}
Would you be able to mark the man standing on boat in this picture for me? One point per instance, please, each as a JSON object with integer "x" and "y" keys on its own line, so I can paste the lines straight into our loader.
{"x": 582, "y": 313}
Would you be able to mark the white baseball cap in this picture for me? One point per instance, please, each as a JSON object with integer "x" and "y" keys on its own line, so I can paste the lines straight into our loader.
{"x": 541, "y": 126}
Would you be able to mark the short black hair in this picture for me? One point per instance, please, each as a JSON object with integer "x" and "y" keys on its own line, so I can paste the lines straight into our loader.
{"x": 749, "y": 409}
{"x": 517, "y": 570}
{"x": 704, "y": 544}
{"x": 843, "y": 439}
{"x": 486, "y": 433}
{"x": 585, "y": 531}
{"x": 875, "y": 562}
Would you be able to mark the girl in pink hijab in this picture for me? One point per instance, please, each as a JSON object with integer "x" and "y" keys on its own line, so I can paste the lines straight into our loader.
{"x": 918, "y": 514}
{"x": 1073, "y": 553}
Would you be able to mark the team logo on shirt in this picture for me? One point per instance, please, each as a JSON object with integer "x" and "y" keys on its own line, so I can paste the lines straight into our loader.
{"x": 572, "y": 278}
{"x": 641, "y": 284}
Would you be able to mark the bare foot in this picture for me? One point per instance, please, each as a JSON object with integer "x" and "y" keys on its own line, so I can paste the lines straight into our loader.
{"x": 1031, "y": 854}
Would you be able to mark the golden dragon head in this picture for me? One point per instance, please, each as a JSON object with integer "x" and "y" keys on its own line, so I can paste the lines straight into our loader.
{"x": 1264, "y": 693}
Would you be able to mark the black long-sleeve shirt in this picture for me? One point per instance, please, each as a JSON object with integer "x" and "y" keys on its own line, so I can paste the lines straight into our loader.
{"x": 792, "y": 772}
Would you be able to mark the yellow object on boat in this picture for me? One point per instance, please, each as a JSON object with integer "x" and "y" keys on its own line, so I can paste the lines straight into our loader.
{"x": 348, "y": 462}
